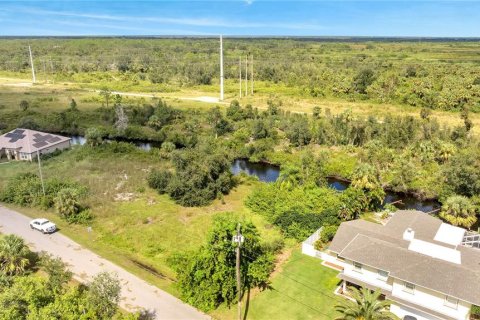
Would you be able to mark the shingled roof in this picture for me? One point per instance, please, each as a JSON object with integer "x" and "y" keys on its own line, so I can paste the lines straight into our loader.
{"x": 383, "y": 247}
{"x": 29, "y": 141}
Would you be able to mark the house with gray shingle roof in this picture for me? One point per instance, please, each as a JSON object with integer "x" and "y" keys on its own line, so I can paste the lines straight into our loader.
{"x": 26, "y": 144}
{"x": 425, "y": 267}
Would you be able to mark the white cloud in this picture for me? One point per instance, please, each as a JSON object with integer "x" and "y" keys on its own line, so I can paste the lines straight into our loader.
{"x": 183, "y": 21}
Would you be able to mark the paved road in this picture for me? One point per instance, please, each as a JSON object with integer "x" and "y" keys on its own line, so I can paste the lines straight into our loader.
{"x": 136, "y": 293}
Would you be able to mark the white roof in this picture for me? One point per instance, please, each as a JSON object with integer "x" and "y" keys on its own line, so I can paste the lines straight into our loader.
{"x": 435, "y": 251}
{"x": 29, "y": 141}
{"x": 450, "y": 234}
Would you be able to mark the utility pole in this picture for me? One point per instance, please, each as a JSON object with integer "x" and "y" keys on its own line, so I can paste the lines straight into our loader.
{"x": 53, "y": 71}
{"x": 251, "y": 78}
{"x": 40, "y": 170}
{"x": 31, "y": 64}
{"x": 221, "y": 68}
{"x": 246, "y": 76}
{"x": 45, "y": 71}
{"x": 239, "y": 239}
{"x": 240, "y": 74}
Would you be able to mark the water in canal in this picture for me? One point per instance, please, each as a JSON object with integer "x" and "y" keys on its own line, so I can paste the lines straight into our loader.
{"x": 269, "y": 173}
{"x": 144, "y": 145}
{"x": 263, "y": 171}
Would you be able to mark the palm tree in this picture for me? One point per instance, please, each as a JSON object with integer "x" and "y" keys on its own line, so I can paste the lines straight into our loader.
{"x": 366, "y": 306}
{"x": 66, "y": 202}
{"x": 365, "y": 176}
{"x": 13, "y": 255}
{"x": 289, "y": 178}
{"x": 445, "y": 151}
{"x": 459, "y": 211}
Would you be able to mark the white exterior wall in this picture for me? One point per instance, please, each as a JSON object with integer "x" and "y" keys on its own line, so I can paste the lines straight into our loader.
{"x": 60, "y": 146}
{"x": 422, "y": 297}
{"x": 430, "y": 299}
{"x": 332, "y": 258}
{"x": 368, "y": 274}
{"x": 401, "y": 312}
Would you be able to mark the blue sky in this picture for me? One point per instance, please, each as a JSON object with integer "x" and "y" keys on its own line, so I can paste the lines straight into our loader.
{"x": 242, "y": 17}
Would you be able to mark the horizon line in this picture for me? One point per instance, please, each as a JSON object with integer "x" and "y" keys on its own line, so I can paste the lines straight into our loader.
{"x": 245, "y": 36}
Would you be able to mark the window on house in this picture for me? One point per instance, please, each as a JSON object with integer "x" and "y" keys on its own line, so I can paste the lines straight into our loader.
{"x": 451, "y": 302}
{"x": 409, "y": 287}
{"x": 357, "y": 266}
{"x": 382, "y": 275}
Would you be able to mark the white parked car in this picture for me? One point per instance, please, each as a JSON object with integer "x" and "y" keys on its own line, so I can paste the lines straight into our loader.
{"x": 43, "y": 225}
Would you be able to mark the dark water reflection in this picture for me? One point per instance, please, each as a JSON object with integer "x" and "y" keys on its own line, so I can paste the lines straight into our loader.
{"x": 263, "y": 171}
{"x": 141, "y": 144}
{"x": 269, "y": 173}
{"x": 399, "y": 199}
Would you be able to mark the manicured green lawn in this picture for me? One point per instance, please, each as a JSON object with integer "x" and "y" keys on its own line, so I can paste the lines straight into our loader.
{"x": 302, "y": 289}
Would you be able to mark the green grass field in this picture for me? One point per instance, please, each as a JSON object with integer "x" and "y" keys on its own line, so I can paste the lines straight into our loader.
{"x": 301, "y": 289}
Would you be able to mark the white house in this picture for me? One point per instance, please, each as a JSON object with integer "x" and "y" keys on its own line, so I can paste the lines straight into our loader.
{"x": 419, "y": 263}
{"x": 25, "y": 144}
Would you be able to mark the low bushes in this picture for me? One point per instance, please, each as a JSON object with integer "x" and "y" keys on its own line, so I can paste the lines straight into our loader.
{"x": 298, "y": 212}
{"x": 159, "y": 180}
{"x": 326, "y": 236}
{"x": 475, "y": 312}
{"x": 26, "y": 190}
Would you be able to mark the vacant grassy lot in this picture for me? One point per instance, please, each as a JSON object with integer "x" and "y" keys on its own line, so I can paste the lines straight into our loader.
{"x": 134, "y": 226}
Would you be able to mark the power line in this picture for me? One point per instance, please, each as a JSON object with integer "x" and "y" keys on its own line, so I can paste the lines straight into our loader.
{"x": 251, "y": 259}
{"x": 309, "y": 287}
{"x": 300, "y": 302}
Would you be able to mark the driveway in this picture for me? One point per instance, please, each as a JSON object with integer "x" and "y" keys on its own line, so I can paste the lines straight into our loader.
{"x": 136, "y": 293}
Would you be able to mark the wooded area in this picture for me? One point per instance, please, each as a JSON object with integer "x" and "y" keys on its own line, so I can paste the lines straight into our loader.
{"x": 435, "y": 74}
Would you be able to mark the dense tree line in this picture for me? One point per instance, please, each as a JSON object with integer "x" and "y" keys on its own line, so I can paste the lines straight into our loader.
{"x": 411, "y": 73}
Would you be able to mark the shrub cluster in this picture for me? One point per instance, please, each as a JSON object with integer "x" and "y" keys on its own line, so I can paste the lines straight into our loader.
{"x": 26, "y": 190}
{"x": 298, "y": 212}
{"x": 326, "y": 236}
{"x": 475, "y": 311}
{"x": 200, "y": 177}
